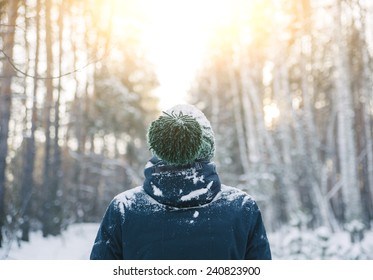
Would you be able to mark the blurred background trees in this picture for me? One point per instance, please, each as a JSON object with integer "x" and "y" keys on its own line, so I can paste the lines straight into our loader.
{"x": 286, "y": 84}
{"x": 75, "y": 104}
{"x": 293, "y": 92}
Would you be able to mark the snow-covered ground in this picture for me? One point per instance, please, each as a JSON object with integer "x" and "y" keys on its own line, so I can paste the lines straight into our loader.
{"x": 289, "y": 243}
{"x": 74, "y": 244}
{"x": 294, "y": 244}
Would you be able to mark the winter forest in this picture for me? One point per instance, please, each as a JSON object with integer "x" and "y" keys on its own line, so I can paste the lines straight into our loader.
{"x": 286, "y": 84}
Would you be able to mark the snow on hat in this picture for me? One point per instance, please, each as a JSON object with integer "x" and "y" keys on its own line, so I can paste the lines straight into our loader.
{"x": 181, "y": 136}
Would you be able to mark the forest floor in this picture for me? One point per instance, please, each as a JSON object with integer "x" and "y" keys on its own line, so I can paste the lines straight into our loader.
{"x": 289, "y": 243}
{"x": 73, "y": 244}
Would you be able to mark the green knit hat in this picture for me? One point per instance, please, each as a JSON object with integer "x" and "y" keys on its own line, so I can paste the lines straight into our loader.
{"x": 181, "y": 136}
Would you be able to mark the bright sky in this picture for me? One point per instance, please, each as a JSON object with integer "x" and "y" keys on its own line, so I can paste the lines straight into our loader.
{"x": 176, "y": 33}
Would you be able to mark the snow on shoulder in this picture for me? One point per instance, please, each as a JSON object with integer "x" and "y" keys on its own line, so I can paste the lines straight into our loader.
{"x": 126, "y": 198}
{"x": 231, "y": 194}
{"x": 136, "y": 199}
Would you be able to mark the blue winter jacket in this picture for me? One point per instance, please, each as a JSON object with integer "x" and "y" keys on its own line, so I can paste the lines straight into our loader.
{"x": 182, "y": 213}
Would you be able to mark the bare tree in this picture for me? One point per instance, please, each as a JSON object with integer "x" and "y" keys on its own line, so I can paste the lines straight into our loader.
{"x": 6, "y": 76}
{"x": 48, "y": 189}
{"x": 29, "y": 161}
{"x": 346, "y": 140}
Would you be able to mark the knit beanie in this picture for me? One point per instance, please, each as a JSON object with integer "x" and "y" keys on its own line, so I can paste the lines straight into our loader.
{"x": 181, "y": 136}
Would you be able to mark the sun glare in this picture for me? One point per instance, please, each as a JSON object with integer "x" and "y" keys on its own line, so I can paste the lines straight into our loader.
{"x": 271, "y": 114}
{"x": 176, "y": 34}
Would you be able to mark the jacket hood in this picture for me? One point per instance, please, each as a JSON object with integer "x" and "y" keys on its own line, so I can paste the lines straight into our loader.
{"x": 184, "y": 186}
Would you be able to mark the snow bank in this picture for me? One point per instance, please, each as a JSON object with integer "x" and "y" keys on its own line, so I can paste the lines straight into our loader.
{"x": 294, "y": 244}
{"x": 74, "y": 244}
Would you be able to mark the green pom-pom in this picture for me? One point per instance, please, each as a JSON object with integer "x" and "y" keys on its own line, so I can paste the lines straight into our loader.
{"x": 176, "y": 139}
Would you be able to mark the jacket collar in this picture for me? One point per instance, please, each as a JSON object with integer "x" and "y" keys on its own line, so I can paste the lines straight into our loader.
{"x": 181, "y": 186}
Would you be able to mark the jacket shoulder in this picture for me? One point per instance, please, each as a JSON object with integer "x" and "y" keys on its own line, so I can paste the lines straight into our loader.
{"x": 128, "y": 195}
{"x": 135, "y": 200}
{"x": 234, "y": 194}
{"x": 124, "y": 200}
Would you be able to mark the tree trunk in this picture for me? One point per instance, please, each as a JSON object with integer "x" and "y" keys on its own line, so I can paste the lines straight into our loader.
{"x": 239, "y": 122}
{"x": 28, "y": 180}
{"x": 250, "y": 131}
{"x": 5, "y": 104}
{"x": 346, "y": 140}
{"x": 47, "y": 191}
{"x": 56, "y": 193}
{"x": 316, "y": 175}
{"x": 367, "y": 95}
{"x": 282, "y": 96}
{"x": 215, "y": 109}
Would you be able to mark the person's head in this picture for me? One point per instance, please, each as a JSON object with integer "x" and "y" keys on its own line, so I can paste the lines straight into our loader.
{"x": 181, "y": 136}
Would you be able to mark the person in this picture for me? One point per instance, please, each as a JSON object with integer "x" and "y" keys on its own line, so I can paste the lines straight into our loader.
{"x": 182, "y": 210}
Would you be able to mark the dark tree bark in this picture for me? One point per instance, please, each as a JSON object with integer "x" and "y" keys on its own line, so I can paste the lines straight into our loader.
{"x": 47, "y": 192}
{"x": 29, "y": 163}
{"x": 6, "y": 103}
{"x": 56, "y": 194}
